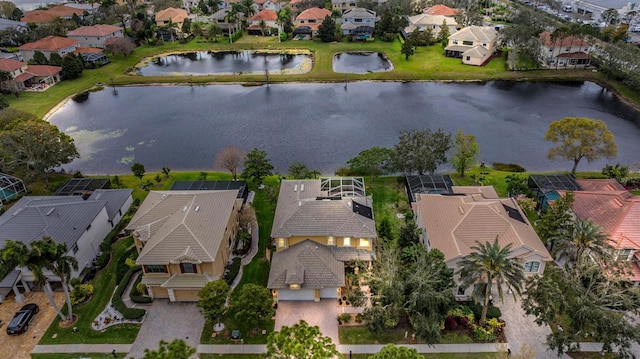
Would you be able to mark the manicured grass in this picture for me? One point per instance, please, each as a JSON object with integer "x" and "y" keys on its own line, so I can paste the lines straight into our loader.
{"x": 230, "y": 356}
{"x": 437, "y": 356}
{"x": 104, "y": 284}
{"x": 590, "y": 355}
{"x": 231, "y": 323}
{"x": 361, "y": 335}
{"x": 78, "y": 355}
{"x": 427, "y": 64}
{"x": 455, "y": 338}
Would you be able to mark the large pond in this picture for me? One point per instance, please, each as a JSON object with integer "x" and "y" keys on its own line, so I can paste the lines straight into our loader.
{"x": 226, "y": 62}
{"x": 361, "y": 62}
{"x": 323, "y": 125}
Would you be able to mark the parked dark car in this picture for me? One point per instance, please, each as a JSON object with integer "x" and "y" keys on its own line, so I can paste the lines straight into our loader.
{"x": 20, "y": 322}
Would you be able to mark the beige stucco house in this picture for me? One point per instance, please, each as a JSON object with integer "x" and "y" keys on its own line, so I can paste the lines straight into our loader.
{"x": 183, "y": 240}
{"x": 320, "y": 227}
{"x": 455, "y": 223}
{"x": 171, "y": 15}
{"x": 565, "y": 52}
{"x": 49, "y": 45}
{"x": 423, "y": 22}
{"x": 473, "y": 44}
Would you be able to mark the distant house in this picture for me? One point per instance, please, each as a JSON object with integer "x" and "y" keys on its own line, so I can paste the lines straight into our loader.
{"x": 309, "y": 20}
{"x": 433, "y": 22}
{"x": 267, "y": 17}
{"x": 475, "y": 45}
{"x": 50, "y": 14}
{"x": 440, "y": 9}
{"x": 344, "y": 5}
{"x": 455, "y": 223}
{"x": 566, "y": 52}
{"x": 171, "y": 16}
{"x": 49, "y": 45}
{"x": 184, "y": 239}
{"x": 609, "y": 205}
{"x": 267, "y": 5}
{"x": 95, "y": 36}
{"x": 10, "y": 187}
{"x": 358, "y": 23}
{"x": 320, "y": 229}
{"x": 294, "y": 4}
{"x": 80, "y": 223}
{"x": 26, "y": 77}
{"x": 220, "y": 18}
{"x": 92, "y": 55}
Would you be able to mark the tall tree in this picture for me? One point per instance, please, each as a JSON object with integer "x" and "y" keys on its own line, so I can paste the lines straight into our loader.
{"x": 522, "y": 37}
{"x": 213, "y": 297}
{"x": 253, "y": 304}
{"x": 177, "y": 349}
{"x": 444, "y": 33}
{"x": 72, "y": 66}
{"x": 327, "y": 30}
{"x": 230, "y": 158}
{"x": 39, "y": 58}
{"x": 138, "y": 170}
{"x": 556, "y": 221}
{"x": 300, "y": 341}
{"x": 407, "y": 48}
{"x": 579, "y": 137}
{"x": 56, "y": 259}
{"x": 586, "y": 242}
{"x": 610, "y": 17}
{"x": 36, "y": 147}
{"x": 421, "y": 150}
{"x": 298, "y": 170}
{"x": 374, "y": 161}
{"x": 466, "y": 152}
{"x": 257, "y": 166}
{"x": 489, "y": 263}
{"x": 391, "y": 351}
{"x": 213, "y": 31}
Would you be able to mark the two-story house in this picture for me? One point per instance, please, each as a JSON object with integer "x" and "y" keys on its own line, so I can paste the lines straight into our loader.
{"x": 358, "y": 23}
{"x": 220, "y": 18}
{"x": 95, "y": 36}
{"x": 184, "y": 239}
{"x": 173, "y": 16}
{"x": 309, "y": 20}
{"x": 421, "y": 22}
{"x": 455, "y": 223}
{"x": 475, "y": 45}
{"x": 81, "y": 223}
{"x": 320, "y": 228}
{"x": 440, "y": 9}
{"x": 25, "y": 76}
{"x": 609, "y": 205}
{"x": 565, "y": 51}
{"x": 58, "y": 11}
{"x": 49, "y": 45}
{"x": 265, "y": 20}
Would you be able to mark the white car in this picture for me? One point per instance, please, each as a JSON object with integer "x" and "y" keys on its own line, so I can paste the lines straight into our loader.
{"x": 635, "y": 28}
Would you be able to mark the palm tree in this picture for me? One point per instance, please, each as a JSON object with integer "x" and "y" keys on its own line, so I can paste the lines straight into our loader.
{"x": 284, "y": 15}
{"x": 246, "y": 7}
{"x": 488, "y": 263}
{"x": 586, "y": 241}
{"x": 213, "y": 30}
{"x": 263, "y": 25}
{"x": 62, "y": 265}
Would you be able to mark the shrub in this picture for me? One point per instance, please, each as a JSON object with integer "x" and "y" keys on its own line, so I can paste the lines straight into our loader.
{"x": 103, "y": 260}
{"x": 482, "y": 334}
{"x": 121, "y": 265}
{"x": 450, "y": 323}
{"x": 359, "y": 318}
{"x": 633, "y": 183}
{"x": 137, "y": 292}
{"x": 507, "y": 167}
{"x": 127, "y": 313}
{"x": 493, "y": 312}
{"x": 81, "y": 293}
{"x": 231, "y": 272}
{"x": 344, "y": 318}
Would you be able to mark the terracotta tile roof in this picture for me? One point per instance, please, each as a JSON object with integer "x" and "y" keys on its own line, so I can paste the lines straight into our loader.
{"x": 10, "y": 65}
{"x": 545, "y": 38}
{"x": 87, "y": 50}
{"x": 51, "y": 13}
{"x": 173, "y": 14}
{"x": 43, "y": 70}
{"x": 313, "y": 13}
{"x": 264, "y": 15}
{"x": 95, "y": 30}
{"x": 453, "y": 224}
{"x": 23, "y": 77}
{"x": 574, "y": 55}
{"x": 609, "y": 184}
{"x": 50, "y": 43}
{"x": 294, "y": 1}
{"x": 441, "y": 10}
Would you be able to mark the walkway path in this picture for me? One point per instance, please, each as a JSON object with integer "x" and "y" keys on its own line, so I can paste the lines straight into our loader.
{"x": 255, "y": 241}
{"x": 82, "y": 348}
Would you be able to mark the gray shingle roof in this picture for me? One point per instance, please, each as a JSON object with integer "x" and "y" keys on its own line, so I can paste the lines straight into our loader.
{"x": 307, "y": 263}
{"x": 359, "y": 13}
{"x": 64, "y": 219}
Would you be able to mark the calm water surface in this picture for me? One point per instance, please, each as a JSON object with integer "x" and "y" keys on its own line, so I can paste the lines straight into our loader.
{"x": 323, "y": 125}
{"x": 361, "y": 62}
{"x": 204, "y": 63}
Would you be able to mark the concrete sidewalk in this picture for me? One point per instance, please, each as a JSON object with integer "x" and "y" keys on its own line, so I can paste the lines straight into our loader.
{"x": 82, "y": 348}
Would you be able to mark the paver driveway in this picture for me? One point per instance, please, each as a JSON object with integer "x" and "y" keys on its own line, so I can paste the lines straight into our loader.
{"x": 168, "y": 321}
{"x": 322, "y": 314}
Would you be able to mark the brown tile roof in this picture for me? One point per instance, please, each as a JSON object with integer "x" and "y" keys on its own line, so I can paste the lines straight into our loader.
{"x": 43, "y": 70}
{"x": 574, "y": 55}
{"x": 609, "y": 184}
{"x": 51, "y": 13}
{"x": 10, "y": 65}
{"x": 453, "y": 224}
{"x": 171, "y": 13}
{"x": 50, "y": 43}
{"x": 95, "y": 30}
{"x": 441, "y": 10}
{"x": 545, "y": 38}
{"x": 265, "y": 15}
{"x": 313, "y": 13}
{"x": 87, "y": 50}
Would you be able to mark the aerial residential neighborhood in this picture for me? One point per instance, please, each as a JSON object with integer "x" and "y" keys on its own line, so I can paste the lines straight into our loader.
{"x": 306, "y": 179}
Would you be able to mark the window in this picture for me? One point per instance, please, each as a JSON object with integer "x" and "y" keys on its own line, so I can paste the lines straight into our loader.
{"x": 357, "y": 20}
{"x": 294, "y": 286}
{"x": 468, "y": 58}
{"x": 455, "y": 42}
{"x": 75, "y": 248}
{"x": 188, "y": 268}
{"x": 282, "y": 242}
{"x": 468, "y": 43}
{"x": 532, "y": 267}
{"x": 461, "y": 290}
{"x": 624, "y": 254}
{"x": 346, "y": 241}
{"x": 155, "y": 268}
{"x": 568, "y": 49}
{"x": 484, "y": 44}
{"x": 364, "y": 242}
{"x": 331, "y": 241}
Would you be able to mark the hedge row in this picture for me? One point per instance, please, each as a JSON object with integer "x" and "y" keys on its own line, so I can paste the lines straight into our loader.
{"x": 121, "y": 264}
{"x": 127, "y": 313}
{"x": 232, "y": 270}
{"x": 136, "y": 296}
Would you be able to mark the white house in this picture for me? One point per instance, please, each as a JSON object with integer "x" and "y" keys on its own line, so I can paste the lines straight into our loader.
{"x": 94, "y": 36}
{"x": 49, "y": 45}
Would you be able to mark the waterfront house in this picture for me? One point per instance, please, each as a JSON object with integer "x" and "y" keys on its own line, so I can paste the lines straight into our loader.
{"x": 95, "y": 36}
{"x": 25, "y": 76}
{"x": 49, "y": 45}
{"x": 565, "y": 51}
{"x": 440, "y": 9}
{"x": 265, "y": 20}
{"x": 358, "y": 23}
{"x": 421, "y": 22}
{"x": 309, "y": 20}
{"x": 475, "y": 45}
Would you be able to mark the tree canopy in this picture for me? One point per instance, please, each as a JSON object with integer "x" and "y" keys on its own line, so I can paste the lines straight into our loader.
{"x": 257, "y": 165}
{"x": 579, "y": 137}
{"x": 252, "y": 304}
{"x": 391, "y": 351}
{"x": 374, "y": 161}
{"x": 212, "y": 299}
{"x": 138, "y": 170}
{"x": 230, "y": 158}
{"x": 421, "y": 150}
{"x": 466, "y": 152}
{"x": 327, "y": 30}
{"x": 177, "y": 349}
{"x": 300, "y": 341}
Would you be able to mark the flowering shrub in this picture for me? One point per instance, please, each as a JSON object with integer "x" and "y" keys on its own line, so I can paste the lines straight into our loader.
{"x": 81, "y": 293}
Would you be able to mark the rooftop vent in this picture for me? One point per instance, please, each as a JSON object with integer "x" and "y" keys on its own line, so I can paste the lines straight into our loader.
{"x": 197, "y": 208}
{"x": 184, "y": 209}
{"x": 163, "y": 196}
{"x": 302, "y": 187}
{"x": 295, "y": 188}
{"x": 461, "y": 209}
{"x": 51, "y": 211}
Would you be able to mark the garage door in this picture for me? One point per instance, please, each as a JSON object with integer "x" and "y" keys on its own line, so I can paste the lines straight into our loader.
{"x": 303, "y": 294}
{"x": 185, "y": 295}
{"x": 329, "y": 293}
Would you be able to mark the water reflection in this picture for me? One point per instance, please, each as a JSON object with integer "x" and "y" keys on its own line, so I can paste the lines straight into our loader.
{"x": 361, "y": 62}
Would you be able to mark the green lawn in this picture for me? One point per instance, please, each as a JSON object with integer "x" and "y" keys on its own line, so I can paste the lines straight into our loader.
{"x": 389, "y": 199}
{"x": 427, "y": 64}
{"x": 361, "y": 356}
{"x": 590, "y": 355}
{"x": 361, "y": 335}
{"x": 104, "y": 284}
{"x": 78, "y": 355}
